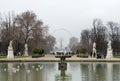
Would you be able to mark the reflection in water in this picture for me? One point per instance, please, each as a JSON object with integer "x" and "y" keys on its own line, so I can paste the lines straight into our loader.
{"x": 93, "y": 72}
{"x": 63, "y": 76}
{"x": 49, "y": 72}
{"x": 116, "y": 72}
{"x": 109, "y": 71}
{"x": 100, "y": 71}
{"x": 10, "y": 75}
{"x": 74, "y": 70}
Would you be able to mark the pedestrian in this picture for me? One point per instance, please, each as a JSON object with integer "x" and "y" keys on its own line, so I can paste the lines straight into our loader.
{"x": 90, "y": 54}
{"x": 94, "y": 54}
{"x": 102, "y": 56}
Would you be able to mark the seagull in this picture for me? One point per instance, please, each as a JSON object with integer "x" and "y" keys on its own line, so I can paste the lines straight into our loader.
{"x": 28, "y": 71}
{"x": 33, "y": 66}
{"x": 5, "y": 69}
{"x": 37, "y": 69}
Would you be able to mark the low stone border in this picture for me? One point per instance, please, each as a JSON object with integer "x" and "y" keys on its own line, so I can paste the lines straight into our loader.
{"x": 57, "y": 60}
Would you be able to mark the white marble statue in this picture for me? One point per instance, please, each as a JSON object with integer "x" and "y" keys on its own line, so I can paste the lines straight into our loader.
{"x": 109, "y": 51}
{"x": 10, "y": 43}
{"x": 109, "y": 45}
{"x": 26, "y": 50}
{"x": 94, "y": 50}
{"x": 94, "y": 45}
{"x": 10, "y": 50}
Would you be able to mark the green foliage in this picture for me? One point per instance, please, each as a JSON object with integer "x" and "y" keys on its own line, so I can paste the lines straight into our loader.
{"x": 3, "y": 56}
{"x": 21, "y": 56}
{"x": 38, "y": 51}
{"x": 81, "y": 50}
{"x": 116, "y": 56}
{"x": 82, "y": 55}
{"x": 35, "y": 50}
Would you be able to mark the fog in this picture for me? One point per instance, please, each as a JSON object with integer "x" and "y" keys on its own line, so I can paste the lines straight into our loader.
{"x": 71, "y": 15}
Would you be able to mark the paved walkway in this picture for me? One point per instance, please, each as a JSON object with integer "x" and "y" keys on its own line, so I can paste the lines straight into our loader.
{"x": 51, "y": 58}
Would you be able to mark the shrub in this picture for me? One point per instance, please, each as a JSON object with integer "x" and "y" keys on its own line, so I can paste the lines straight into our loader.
{"x": 82, "y": 50}
{"x": 38, "y": 51}
{"x": 82, "y": 55}
{"x": 41, "y": 51}
{"x": 35, "y": 50}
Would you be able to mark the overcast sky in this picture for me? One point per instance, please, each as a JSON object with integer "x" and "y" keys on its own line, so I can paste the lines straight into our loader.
{"x": 72, "y": 15}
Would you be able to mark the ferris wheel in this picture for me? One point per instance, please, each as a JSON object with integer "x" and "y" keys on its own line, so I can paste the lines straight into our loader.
{"x": 62, "y": 38}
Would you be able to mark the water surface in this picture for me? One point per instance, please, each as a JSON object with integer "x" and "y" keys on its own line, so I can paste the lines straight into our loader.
{"x": 48, "y": 71}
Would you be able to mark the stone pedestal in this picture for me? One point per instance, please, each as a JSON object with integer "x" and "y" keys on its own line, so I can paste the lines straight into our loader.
{"x": 26, "y": 50}
{"x": 10, "y": 51}
{"x": 109, "y": 53}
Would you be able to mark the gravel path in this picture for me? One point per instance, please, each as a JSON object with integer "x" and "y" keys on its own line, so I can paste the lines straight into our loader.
{"x": 52, "y": 58}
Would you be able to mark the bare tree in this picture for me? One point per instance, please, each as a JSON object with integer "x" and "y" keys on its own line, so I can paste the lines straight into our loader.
{"x": 24, "y": 28}
{"x": 73, "y": 43}
{"x": 99, "y": 35}
{"x": 114, "y": 36}
{"x": 7, "y": 30}
{"x": 26, "y": 21}
{"x": 86, "y": 40}
{"x": 51, "y": 41}
{"x": 7, "y": 27}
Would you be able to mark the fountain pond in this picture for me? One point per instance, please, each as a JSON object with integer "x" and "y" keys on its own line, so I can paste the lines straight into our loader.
{"x": 49, "y": 71}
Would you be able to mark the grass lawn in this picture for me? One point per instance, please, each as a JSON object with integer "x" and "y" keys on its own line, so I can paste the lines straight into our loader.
{"x": 3, "y": 56}
{"x": 21, "y": 56}
{"x": 116, "y": 56}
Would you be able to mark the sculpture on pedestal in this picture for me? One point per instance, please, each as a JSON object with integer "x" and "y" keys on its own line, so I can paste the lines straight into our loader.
{"x": 10, "y": 50}
{"x": 26, "y": 50}
{"x": 109, "y": 50}
{"x": 94, "y": 50}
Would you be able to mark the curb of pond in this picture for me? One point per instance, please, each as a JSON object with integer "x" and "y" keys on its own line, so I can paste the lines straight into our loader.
{"x": 96, "y": 60}
{"x": 56, "y": 60}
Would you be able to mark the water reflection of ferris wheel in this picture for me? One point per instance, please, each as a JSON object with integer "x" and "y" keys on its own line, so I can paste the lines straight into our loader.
{"x": 62, "y": 38}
